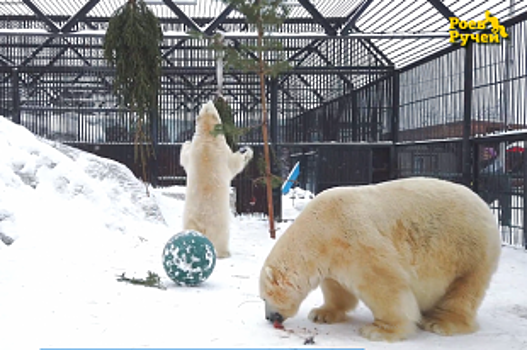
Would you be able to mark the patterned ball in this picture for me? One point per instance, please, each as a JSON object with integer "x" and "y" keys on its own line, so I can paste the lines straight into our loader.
{"x": 189, "y": 258}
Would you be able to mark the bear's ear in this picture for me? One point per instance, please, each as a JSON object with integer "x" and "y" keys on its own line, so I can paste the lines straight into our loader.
{"x": 270, "y": 274}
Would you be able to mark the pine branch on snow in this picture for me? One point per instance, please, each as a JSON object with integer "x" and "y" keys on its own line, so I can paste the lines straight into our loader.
{"x": 152, "y": 280}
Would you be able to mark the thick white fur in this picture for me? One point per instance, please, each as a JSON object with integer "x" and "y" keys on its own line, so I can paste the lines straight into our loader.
{"x": 210, "y": 166}
{"x": 416, "y": 251}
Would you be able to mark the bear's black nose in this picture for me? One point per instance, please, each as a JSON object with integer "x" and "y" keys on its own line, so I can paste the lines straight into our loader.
{"x": 272, "y": 315}
{"x": 276, "y": 317}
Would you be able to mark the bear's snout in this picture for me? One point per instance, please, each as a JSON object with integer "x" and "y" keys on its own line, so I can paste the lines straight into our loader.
{"x": 271, "y": 315}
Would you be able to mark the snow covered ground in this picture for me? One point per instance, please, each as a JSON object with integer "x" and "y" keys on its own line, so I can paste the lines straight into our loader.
{"x": 75, "y": 222}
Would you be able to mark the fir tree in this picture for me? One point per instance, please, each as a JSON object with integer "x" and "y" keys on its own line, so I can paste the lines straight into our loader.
{"x": 131, "y": 45}
{"x": 265, "y": 16}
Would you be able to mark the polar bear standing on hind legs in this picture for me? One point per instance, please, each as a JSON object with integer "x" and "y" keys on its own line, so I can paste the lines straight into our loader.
{"x": 417, "y": 252}
{"x": 210, "y": 166}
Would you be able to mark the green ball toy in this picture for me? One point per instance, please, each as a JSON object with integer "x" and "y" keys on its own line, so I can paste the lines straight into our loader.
{"x": 189, "y": 258}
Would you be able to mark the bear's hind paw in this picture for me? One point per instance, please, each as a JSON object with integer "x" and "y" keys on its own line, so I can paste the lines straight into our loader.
{"x": 223, "y": 254}
{"x": 444, "y": 327}
{"x": 323, "y": 315}
{"x": 375, "y": 333}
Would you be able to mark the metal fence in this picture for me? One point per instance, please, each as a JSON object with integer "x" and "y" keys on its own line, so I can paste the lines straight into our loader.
{"x": 463, "y": 117}
{"x": 344, "y": 112}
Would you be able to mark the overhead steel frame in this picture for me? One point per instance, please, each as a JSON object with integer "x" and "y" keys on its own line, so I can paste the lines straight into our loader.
{"x": 331, "y": 32}
{"x": 334, "y": 29}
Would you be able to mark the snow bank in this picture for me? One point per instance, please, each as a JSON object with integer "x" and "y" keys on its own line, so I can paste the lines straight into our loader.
{"x": 34, "y": 170}
{"x": 75, "y": 222}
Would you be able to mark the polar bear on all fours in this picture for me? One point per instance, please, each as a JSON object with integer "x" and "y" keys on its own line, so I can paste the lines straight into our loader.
{"x": 417, "y": 252}
{"x": 210, "y": 166}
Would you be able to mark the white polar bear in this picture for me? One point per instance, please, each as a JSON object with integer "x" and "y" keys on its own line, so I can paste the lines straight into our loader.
{"x": 416, "y": 251}
{"x": 210, "y": 166}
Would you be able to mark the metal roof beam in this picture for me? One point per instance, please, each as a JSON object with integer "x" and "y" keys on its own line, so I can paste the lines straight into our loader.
{"x": 183, "y": 78}
{"x": 308, "y": 48}
{"x": 375, "y": 51}
{"x": 244, "y": 35}
{"x": 350, "y": 29}
{"x": 366, "y": 42}
{"x": 329, "y": 63}
{"x": 314, "y": 91}
{"x": 204, "y": 80}
{"x": 237, "y": 46}
{"x": 173, "y": 48}
{"x": 442, "y": 8}
{"x": 79, "y": 16}
{"x": 36, "y": 78}
{"x": 37, "y": 51}
{"x": 249, "y": 91}
{"x": 41, "y": 15}
{"x": 6, "y": 61}
{"x": 293, "y": 99}
{"x": 182, "y": 16}
{"x": 89, "y": 24}
{"x": 218, "y": 20}
{"x": 317, "y": 16}
{"x": 350, "y": 23}
{"x": 177, "y": 93}
{"x": 87, "y": 63}
{"x": 366, "y": 70}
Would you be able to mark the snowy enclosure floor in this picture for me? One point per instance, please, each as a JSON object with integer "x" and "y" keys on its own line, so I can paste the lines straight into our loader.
{"x": 75, "y": 222}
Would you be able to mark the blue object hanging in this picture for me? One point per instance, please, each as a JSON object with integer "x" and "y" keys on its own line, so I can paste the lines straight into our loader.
{"x": 293, "y": 175}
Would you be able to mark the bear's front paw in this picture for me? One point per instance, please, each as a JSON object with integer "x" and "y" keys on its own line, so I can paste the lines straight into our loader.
{"x": 323, "y": 315}
{"x": 247, "y": 153}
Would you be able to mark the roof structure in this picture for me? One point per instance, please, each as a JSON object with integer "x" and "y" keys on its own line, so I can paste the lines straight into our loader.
{"x": 333, "y": 46}
{"x": 403, "y": 31}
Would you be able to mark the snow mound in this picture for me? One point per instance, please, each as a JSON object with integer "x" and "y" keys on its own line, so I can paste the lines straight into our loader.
{"x": 35, "y": 169}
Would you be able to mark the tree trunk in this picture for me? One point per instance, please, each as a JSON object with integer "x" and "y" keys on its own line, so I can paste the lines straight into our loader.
{"x": 265, "y": 134}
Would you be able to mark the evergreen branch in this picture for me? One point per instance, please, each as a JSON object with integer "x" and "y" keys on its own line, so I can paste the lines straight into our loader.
{"x": 152, "y": 280}
{"x": 276, "y": 181}
{"x": 131, "y": 46}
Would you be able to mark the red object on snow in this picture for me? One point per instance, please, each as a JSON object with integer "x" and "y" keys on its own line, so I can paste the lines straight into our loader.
{"x": 278, "y": 325}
